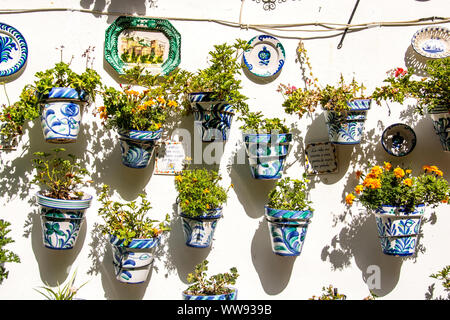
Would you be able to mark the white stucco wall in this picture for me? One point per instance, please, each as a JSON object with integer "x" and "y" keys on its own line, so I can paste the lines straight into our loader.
{"x": 341, "y": 245}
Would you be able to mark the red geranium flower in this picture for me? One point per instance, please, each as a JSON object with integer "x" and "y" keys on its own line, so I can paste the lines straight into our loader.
{"x": 400, "y": 72}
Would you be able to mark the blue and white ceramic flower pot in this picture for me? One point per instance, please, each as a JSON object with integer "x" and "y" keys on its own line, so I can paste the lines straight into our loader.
{"x": 347, "y": 127}
{"x": 138, "y": 146}
{"x": 61, "y": 112}
{"x": 287, "y": 230}
{"x": 266, "y": 154}
{"x": 441, "y": 123}
{"x": 398, "y": 228}
{"x": 227, "y": 296}
{"x": 132, "y": 262}
{"x": 62, "y": 220}
{"x": 199, "y": 231}
{"x": 212, "y": 119}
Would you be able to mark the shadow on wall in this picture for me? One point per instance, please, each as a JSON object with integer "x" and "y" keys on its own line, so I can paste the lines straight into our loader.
{"x": 118, "y": 6}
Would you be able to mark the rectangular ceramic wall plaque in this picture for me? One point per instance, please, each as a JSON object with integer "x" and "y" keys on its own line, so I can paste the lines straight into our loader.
{"x": 320, "y": 158}
{"x": 170, "y": 158}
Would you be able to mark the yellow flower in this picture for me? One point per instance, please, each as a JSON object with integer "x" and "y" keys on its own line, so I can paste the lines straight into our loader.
{"x": 387, "y": 166}
{"x": 349, "y": 198}
{"x": 186, "y": 201}
{"x": 439, "y": 173}
{"x": 408, "y": 182}
{"x": 427, "y": 168}
{"x": 142, "y": 107}
{"x": 161, "y": 100}
{"x": 408, "y": 171}
{"x": 206, "y": 190}
{"x": 179, "y": 178}
{"x": 359, "y": 189}
{"x": 399, "y": 172}
{"x": 207, "y": 206}
{"x": 159, "y": 125}
{"x": 172, "y": 103}
{"x": 149, "y": 103}
{"x": 376, "y": 171}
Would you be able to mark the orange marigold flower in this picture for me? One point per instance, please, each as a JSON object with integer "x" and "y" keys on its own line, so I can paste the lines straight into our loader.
{"x": 387, "y": 166}
{"x": 161, "y": 100}
{"x": 445, "y": 200}
{"x": 408, "y": 171}
{"x": 349, "y": 198}
{"x": 149, "y": 103}
{"x": 207, "y": 206}
{"x": 399, "y": 172}
{"x": 102, "y": 108}
{"x": 172, "y": 103}
{"x": 372, "y": 183}
{"x": 408, "y": 182}
{"x": 358, "y": 174}
{"x": 103, "y": 115}
{"x": 376, "y": 171}
{"x": 427, "y": 168}
{"x": 206, "y": 190}
{"x": 179, "y": 178}
{"x": 439, "y": 173}
{"x": 359, "y": 189}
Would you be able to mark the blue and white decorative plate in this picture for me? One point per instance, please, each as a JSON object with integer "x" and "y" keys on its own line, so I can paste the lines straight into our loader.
{"x": 266, "y": 57}
{"x": 398, "y": 139}
{"x": 13, "y": 50}
{"x": 432, "y": 42}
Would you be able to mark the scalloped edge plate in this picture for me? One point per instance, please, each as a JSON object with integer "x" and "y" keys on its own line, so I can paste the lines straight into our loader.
{"x": 260, "y": 59}
{"x": 16, "y": 51}
{"x": 432, "y": 42}
{"x": 402, "y": 130}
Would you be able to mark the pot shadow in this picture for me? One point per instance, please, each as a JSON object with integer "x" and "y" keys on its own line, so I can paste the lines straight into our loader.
{"x": 132, "y": 7}
{"x": 416, "y": 61}
{"x": 54, "y": 265}
{"x": 179, "y": 257}
{"x": 274, "y": 271}
{"x": 359, "y": 239}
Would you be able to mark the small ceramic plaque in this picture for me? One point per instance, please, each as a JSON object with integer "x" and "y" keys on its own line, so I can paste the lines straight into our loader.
{"x": 320, "y": 158}
{"x": 432, "y": 42}
{"x": 170, "y": 158}
{"x": 266, "y": 57}
{"x": 13, "y": 50}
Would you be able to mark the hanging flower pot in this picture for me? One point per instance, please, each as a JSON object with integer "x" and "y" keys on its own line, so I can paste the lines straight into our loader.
{"x": 398, "y": 229}
{"x": 347, "y": 127}
{"x": 137, "y": 147}
{"x": 212, "y": 119}
{"x": 267, "y": 153}
{"x": 287, "y": 230}
{"x": 199, "y": 230}
{"x": 61, "y": 112}
{"x": 441, "y": 122}
{"x": 226, "y": 296}
{"x": 132, "y": 262}
{"x": 61, "y": 220}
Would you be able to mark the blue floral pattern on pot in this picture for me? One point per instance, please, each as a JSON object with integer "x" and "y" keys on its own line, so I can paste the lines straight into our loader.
{"x": 347, "y": 127}
{"x": 61, "y": 114}
{"x": 441, "y": 123}
{"x": 199, "y": 231}
{"x": 266, "y": 154}
{"x": 137, "y": 147}
{"x": 132, "y": 262}
{"x": 287, "y": 230}
{"x": 398, "y": 229}
{"x": 226, "y": 296}
{"x": 212, "y": 119}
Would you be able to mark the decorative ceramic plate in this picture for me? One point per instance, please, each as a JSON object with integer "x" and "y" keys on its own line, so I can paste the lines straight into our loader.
{"x": 398, "y": 139}
{"x": 266, "y": 57}
{"x": 432, "y": 42}
{"x": 150, "y": 43}
{"x": 13, "y": 50}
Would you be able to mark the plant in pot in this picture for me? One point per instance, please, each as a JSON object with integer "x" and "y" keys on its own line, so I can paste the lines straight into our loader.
{"x": 345, "y": 105}
{"x": 62, "y": 204}
{"x": 66, "y": 292}
{"x": 267, "y": 144}
{"x": 399, "y": 199}
{"x": 216, "y": 287}
{"x": 214, "y": 92}
{"x": 432, "y": 94}
{"x": 12, "y": 119}
{"x": 60, "y": 94}
{"x": 6, "y": 256}
{"x": 288, "y": 214}
{"x": 132, "y": 234}
{"x": 200, "y": 199}
{"x": 139, "y": 116}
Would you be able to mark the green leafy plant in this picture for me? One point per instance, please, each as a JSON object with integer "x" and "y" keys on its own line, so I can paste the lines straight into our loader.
{"x": 221, "y": 76}
{"x": 398, "y": 187}
{"x": 66, "y": 292}
{"x": 146, "y": 110}
{"x": 330, "y": 293}
{"x": 12, "y": 119}
{"x": 332, "y": 98}
{"x": 60, "y": 177}
{"x": 5, "y": 254}
{"x": 128, "y": 221}
{"x": 444, "y": 277}
{"x": 214, "y": 285}
{"x": 430, "y": 92}
{"x": 254, "y": 122}
{"x": 290, "y": 194}
{"x": 199, "y": 191}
